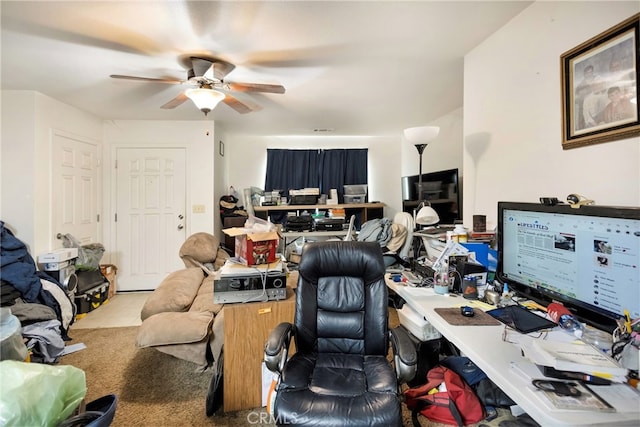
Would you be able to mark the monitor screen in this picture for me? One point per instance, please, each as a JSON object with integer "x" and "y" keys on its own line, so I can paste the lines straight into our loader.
{"x": 587, "y": 258}
{"x": 441, "y": 189}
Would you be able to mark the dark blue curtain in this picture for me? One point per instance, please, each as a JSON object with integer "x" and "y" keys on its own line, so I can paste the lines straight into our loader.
{"x": 325, "y": 169}
{"x": 342, "y": 167}
{"x": 291, "y": 169}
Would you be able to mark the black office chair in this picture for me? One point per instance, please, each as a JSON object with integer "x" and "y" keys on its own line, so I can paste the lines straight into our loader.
{"x": 340, "y": 374}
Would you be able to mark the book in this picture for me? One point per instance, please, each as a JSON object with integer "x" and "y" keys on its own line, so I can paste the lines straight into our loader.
{"x": 574, "y": 357}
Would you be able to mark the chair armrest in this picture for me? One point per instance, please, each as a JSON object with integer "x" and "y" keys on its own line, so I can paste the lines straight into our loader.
{"x": 404, "y": 354}
{"x": 277, "y": 346}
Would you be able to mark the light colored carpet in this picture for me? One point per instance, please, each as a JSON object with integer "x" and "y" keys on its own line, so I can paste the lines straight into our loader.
{"x": 155, "y": 389}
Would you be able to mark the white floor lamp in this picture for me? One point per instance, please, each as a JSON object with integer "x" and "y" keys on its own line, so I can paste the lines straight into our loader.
{"x": 420, "y": 137}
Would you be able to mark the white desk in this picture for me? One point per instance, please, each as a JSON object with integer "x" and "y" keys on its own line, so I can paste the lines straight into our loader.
{"x": 485, "y": 347}
{"x": 310, "y": 234}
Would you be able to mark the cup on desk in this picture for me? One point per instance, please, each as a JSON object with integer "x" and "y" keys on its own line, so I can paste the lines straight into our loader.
{"x": 470, "y": 288}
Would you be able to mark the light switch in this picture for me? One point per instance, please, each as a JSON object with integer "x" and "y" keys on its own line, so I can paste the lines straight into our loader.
{"x": 198, "y": 209}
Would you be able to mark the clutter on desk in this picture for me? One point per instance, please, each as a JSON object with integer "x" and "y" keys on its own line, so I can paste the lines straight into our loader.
{"x": 298, "y": 222}
{"x": 620, "y": 396}
{"x": 626, "y": 343}
{"x": 305, "y": 196}
{"x": 256, "y": 242}
{"x": 573, "y": 356}
{"x": 572, "y": 395}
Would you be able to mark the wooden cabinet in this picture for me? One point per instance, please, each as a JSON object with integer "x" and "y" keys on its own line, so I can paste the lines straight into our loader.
{"x": 246, "y": 328}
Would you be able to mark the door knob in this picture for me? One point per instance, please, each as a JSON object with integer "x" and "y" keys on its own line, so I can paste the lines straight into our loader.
{"x": 180, "y": 227}
{"x": 180, "y": 216}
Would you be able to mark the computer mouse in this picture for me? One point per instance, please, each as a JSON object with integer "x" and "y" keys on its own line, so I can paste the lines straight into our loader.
{"x": 466, "y": 311}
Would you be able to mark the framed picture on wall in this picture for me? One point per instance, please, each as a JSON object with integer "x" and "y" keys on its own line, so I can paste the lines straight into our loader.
{"x": 600, "y": 87}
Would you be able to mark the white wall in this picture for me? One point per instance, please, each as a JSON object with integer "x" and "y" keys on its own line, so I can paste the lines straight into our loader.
{"x": 390, "y": 157}
{"x": 28, "y": 121}
{"x": 197, "y": 137}
{"x": 512, "y": 111}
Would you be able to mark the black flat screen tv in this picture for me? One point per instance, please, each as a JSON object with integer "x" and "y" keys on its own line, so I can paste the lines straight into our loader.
{"x": 441, "y": 189}
{"x": 586, "y": 258}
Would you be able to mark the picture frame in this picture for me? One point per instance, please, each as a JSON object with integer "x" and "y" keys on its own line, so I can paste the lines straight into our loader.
{"x": 599, "y": 83}
{"x": 221, "y": 148}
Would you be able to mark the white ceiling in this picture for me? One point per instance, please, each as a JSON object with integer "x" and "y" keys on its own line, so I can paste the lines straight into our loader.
{"x": 359, "y": 68}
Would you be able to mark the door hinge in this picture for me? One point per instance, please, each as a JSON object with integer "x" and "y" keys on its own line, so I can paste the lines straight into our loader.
{"x": 98, "y": 218}
{"x": 116, "y": 164}
{"x": 116, "y": 217}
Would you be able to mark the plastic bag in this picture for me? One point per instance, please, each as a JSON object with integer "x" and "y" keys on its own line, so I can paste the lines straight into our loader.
{"x": 34, "y": 394}
{"x": 89, "y": 256}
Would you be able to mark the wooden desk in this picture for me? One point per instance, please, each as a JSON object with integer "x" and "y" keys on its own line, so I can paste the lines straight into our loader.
{"x": 246, "y": 328}
{"x": 485, "y": 347}
{"x": 367, "y": 210}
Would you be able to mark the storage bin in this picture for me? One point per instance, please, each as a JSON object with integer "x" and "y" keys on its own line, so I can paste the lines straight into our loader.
{"x": 355, "y": 198}
{"x": 91, "y": 299}
{"x": 355, "y": 190}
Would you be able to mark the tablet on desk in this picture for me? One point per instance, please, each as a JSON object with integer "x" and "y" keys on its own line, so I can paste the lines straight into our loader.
{"x": 521, "y": 319}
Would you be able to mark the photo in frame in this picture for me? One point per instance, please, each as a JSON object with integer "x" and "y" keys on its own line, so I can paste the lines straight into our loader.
{"x": 599, "y": 80}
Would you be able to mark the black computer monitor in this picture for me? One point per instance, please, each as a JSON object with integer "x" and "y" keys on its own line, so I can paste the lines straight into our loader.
{"x": 587, "y": 258}
{"x": 441, "y": 189}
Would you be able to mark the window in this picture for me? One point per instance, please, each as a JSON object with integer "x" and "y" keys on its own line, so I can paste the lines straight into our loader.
{"x": 324, "y": 169}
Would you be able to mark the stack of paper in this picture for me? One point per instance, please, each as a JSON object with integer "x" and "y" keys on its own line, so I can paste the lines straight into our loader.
{"x": 573, "y": 356}
{"x": 236, "y": 269}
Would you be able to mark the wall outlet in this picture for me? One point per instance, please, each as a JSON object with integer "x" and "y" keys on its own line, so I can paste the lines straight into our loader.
{"x": 198, "y": 209}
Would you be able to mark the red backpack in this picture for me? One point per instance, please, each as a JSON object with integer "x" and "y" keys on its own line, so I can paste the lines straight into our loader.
{"x": 458, "y": 405}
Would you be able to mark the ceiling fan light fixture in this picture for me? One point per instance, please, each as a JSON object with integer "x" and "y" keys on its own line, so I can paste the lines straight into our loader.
{"x": 205, "y": 99}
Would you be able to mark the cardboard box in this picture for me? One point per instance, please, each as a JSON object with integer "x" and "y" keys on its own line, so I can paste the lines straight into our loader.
{"x": 254, "y": 248}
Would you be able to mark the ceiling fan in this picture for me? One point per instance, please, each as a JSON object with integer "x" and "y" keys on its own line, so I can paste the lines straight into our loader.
{"x": 206, "y": 75}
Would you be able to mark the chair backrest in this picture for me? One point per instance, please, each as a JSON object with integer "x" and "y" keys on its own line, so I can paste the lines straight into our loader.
{"x": 405, "y": 218}
{"x": 349, "y": 235}
{"x": 341, "y": 299}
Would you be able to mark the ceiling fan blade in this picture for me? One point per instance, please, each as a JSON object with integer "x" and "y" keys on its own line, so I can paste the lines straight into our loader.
{"x": 236, "y": 104}
{"x": 178, "y": 100}
{"x": 256, "y": 87}
{"x": 147, "y": 79}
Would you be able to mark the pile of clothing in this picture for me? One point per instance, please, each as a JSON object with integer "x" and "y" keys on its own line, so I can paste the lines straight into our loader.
{"x": 40, "y": 302}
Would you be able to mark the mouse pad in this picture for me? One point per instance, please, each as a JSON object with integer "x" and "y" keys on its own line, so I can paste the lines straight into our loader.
{"x": 453, "y": 317}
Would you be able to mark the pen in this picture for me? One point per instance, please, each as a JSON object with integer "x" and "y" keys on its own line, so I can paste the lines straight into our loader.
{"x": 569, "y": 375}
{"x": 591, "y": 379}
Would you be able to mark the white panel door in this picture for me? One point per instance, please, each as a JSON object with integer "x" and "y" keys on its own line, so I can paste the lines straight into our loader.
{"x": 74, "y": 188}
{"x": 150, "y": 215}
